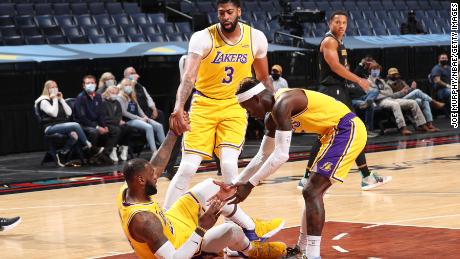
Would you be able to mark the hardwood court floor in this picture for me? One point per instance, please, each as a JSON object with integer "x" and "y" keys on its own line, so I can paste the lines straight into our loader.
{"x": 83, "y": 222}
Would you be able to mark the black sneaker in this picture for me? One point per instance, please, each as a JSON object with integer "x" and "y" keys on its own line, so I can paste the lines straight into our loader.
{"x": 93, "y": 151}
{"x": 293, "y": 252}
{"x": 7, "y": 224}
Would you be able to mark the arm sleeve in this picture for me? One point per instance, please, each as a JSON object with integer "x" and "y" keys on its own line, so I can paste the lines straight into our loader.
{"x": 51, "y": 110}
{"x": 186, "y": 251}
{"x": 150, "y": 101}
{"x": 266, "y": 148}
{"x": 279, "y": 156}
{"x": 259, "y": 44}
{"x": 200, "y": 43}
{"x": 67, "y": 109}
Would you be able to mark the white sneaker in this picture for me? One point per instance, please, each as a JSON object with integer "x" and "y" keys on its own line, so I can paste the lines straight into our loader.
{"x": 374, "y": 180}
{"x": 124, "y": 153}
{"x": 113, "y": 155}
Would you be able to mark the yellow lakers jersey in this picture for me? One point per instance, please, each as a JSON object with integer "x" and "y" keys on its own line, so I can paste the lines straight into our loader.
{"x": 127, "y": 211}
{"x": 226, "y": 65}
{"x": 321, "y": 114}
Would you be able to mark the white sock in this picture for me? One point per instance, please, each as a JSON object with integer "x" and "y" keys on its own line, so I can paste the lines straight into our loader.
{"x": 243, "y": 220}
{"x": 88, "y": 144}
{"x": 313, "y": 246}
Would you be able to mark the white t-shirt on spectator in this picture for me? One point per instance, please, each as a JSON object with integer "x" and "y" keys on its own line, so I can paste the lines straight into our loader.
{"x": 280, "y": 83}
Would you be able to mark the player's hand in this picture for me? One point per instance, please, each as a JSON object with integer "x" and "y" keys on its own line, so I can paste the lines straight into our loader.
{"x": 210, "y": 216}
{"x": 179, "y": 122}
{"x": 242, "y": 192}
{"x": 364, "y": 84}
{"x": 224, "y": 192}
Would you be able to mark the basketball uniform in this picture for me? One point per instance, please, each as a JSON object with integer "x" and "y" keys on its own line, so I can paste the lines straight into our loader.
{"x": 178, "y": 222}
{"x": 343, "y": 135}
{"x": 216, "y": 118}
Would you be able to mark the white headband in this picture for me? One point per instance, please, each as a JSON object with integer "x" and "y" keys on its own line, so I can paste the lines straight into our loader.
{"x": 244, "y": 96}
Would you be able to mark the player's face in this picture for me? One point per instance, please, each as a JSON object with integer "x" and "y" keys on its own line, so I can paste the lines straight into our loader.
{"x": 151, "y": 181}
{"x": 229, "y": 15}
{"x": 338, "y": 25}
{"x": 254, "y": 108}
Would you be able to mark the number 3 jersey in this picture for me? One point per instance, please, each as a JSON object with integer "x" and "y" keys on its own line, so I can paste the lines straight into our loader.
{"x": 222, "y": 69}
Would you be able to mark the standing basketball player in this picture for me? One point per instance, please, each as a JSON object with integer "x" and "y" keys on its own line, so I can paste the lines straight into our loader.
{"x": 219, "y": 57}
{"x": 333, "y": 73}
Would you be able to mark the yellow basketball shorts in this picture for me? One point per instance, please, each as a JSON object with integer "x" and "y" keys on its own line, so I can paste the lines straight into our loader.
{"x": 183, "y": 215}
{"x": 340, "y": 148}
{"x": 214, "y": 124}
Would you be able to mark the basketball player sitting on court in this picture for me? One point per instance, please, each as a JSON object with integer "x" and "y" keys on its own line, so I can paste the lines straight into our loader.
{"x": 343, "y": 138}
{"x": 186, "y": 229}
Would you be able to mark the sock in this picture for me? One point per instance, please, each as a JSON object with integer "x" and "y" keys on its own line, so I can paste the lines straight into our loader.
{"x": 242, "y": 219}
{"x": 365, "y": 171}
{"x": 313, "y": 246}
{"x": 362, "y": 164}
{"x": 307, "y": 172}
{"x": 88, "y": 144}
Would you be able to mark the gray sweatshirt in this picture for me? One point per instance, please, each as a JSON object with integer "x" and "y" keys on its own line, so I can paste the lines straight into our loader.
{"x": 124, "y": 107}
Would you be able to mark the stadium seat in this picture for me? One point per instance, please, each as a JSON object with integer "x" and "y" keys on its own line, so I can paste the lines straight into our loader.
{"x": 6, "y": 20}
{"x": 14, "y": 40}
{"x": 140, "y": 18}
{"x": 157, "y": 17}
{"x": 9, "y": 31}
{"x": 267, "y": 6}
{"x": 412, "y": 5}
{"x": 61, "y": 8}
{"x": 260, "y": 16}
{"x": 205, "y": 6}
{"x": 43, "y": 8}
{"x": 251, "y": 6}
{"x": 7, "y": 9}
{"x": 183, "y": 27}
{"x": 338, "y": 5}
{"x": 98, "y": 39}
{"x": 25, "y": 9}
{"x": 393, "y": 30}
{"x": 65, "y": 20}
{"x": 114, "y": 8}
{"x": 175, "y": 36}
{"x": 30, "y": 30}
{"x": 35, "y": 40}
{"x": 104, "y": 19}
{"x": 79, "y": 39}
{"x": 56, "y": 39}
{"x": 51, "y": 31}
{"x": 365, "y": 31}
{"x": 131, "y": 29}
{"x": 85, "y": 20}
{"x": 72, "y": 31}
{"x": 187, "y": 7}
{"x": 260, "y": 25}
{"x": 79, "y": 8}
{"x": 45, "y": 20}
{"x": 93, "y": 31}
{"x": 400, "y": 5}
{"x": 97, "y": 8}
{"x": 166, "y": 27}
{"x": 149, "y": 29}
{"x": 155, "y": 38}
{"x": 324, "y": 6}
{"x": 369, "y": 15}
{"x": 424, "y": 5}
{"x": 131, "y": 8}
{"x": 380, "y": 31}
{"x": 24, "y": 20}
{"x": 122, "y": 18}
{"x": 112, "y": 30}
{"x": 137, "y": 38}
{"x": 118, "y": 38}
{"x": 349, "y": 6}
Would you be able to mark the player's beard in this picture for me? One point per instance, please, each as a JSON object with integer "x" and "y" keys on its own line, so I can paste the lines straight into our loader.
{"x": 150, "y": 189}
{"x": 232, "y": 28}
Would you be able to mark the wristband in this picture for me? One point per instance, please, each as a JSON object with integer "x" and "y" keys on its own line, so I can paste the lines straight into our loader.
{"x": 200, "y": 231}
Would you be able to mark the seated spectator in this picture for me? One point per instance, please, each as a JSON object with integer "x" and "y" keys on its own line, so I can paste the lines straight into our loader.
{"x": 412, "y": 26}
{"x": 362, "y": 69}
{"x": 440, "y": 76}
{"x": 411, "y": 92}
{"x": 143, "y": 97}
{"x": 135, "y": 116}
{"x": 89, "y": 112}
{"x": 54, "y": 115}
{"x": 389, "y": 100}
{"x": 366, "y": 103}
{"x": 107, "y": 79}
{"x": 278, "y": 81}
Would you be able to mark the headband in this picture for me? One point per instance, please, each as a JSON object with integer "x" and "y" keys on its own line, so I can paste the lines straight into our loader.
{"x": 244, "y": 96}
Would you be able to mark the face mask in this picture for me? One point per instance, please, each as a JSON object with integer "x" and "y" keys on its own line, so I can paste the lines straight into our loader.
{"x": 89, "y": 88}
{"x": 276, "y": 76}
{"x": 53, "y": 91}
{"x": 128, "y": 89}
{"x": 110, "y": 82}
{"x": 113, "y": 96}
{"x": 444, "y": 62}
{"x": 375, "y": 72}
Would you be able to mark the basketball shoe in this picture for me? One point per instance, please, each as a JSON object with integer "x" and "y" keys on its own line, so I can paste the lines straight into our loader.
{"x": 264, "y": 229}
{"x": 374, "y": 180}
{"x": 9, "y": 223}
{"x": 266, "y": 250}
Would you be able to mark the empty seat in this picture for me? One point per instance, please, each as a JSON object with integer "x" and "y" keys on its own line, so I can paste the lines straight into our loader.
{"x": 183, "y": 27}
{"x": 97, "y": 8}
{"x": 393, "y": 30}
{"x": 260, "y": 15}
{"x": 122, "y": 18}
{"x": 187, "y": 7}
{"x": 260, "y": 25}
{"x": 118, "y": 38}
{"x": 62, "y": 8}
{"x": 85, "y": 20}
{"x": 337, "y": 5}
{"x": 104, "y": 19}
{"x": 157, "y": 17}
{"x": 149, "y": 29}
{"x": 400, "y": 5}
{"x": 251, "y": 6}
{"x": 56, "y": 39}
{"x": 7, "y": 9}
{"x": 137, "y": 38}
{"x": 14, "y": 40}
{"x": 79, "y": 8}
{"x": 30, "y": 30}
{"x": 65, "y": 20}
{"x": 155, "y": 38}
{"x": 52, "y": 31}
{"x": 24, "y": 20}
{"x": 413, "y": 5}
{"x": 205, "y": 6}
{"x": 175, "y": 36}
{"x": 43, "y": 8}
{"x": 35, "y": 40}
{"x": 73, "y": 31}
{"x": 112, "y": 30}
{"x": 9, "y": 31}
{"x": 365, "y": 31}
{"x": 140, "y": 18}
{"x": 131, "y": 29}
{"x": 166, "y": 27}
{"x": 380, "y": 31}
{"x": 93, "y": 31}
{"x": 6, "y": 20}
{"x": 324, "y": 6}
{"x": 78, "y": 39}
{"x": 114, "y": 8}
{"x": 266, "y": 6}
{"x": 424, "y": 5}
{"x": 98, "y": 39}
{"x": 131, "y": 8}
{"x": 25, "y": 9}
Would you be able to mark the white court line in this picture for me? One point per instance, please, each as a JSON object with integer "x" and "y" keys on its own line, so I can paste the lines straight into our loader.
{"x": 339, "y": 236}
{"x": 392, "y": 224}
{"x": 413, "y": 219}
{"x": 338, "y": 248}
{"x": 110, "y": 254}
{"x": 59, "y": 206}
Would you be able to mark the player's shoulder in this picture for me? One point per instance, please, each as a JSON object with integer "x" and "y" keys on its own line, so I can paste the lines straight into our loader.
{"x": 256, "y": 32}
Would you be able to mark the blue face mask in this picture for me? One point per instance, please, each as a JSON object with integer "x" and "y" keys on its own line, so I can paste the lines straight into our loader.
{"x": 89, "y": 88}
{"x": 128, "y": 89}
{"x": 375, "y": 72}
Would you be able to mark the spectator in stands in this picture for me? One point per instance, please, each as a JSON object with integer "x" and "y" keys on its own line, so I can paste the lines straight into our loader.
{"x": 440, "y": 76}
{"x": 362, "y": 69}
{"x": 135, "y": 117}
{"x": 278, "y": 81}
{"x": 89, "y": 112}
{"x": 387, "y": 99}
{"x": 423, "y": 100}
{"x": 54, "y": 115}
{"x": 143, "y": 97}
{"x": 107, "y": 79}
{"x": 366, "y": 103}
{"x": 412, "y": 26}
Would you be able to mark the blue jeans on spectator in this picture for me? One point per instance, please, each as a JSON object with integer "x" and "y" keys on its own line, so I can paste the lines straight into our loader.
{"x": 423, "y": 100}
{"x": 149, "y": 128}
{"x": 67, "y": 128}
{"x": 444, "y": 96}
{"x": 369, "y": 111}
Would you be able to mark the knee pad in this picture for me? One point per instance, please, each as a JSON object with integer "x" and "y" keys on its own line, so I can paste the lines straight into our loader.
{"x": 187, "y": 169}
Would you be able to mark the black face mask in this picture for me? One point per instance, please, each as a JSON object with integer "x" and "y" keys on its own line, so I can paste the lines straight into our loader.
{"x": 276, "y": 76}
{"x": 150, "y": 189}
{"x": 394, "y": 78}
{"x": 444, "y": 62}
